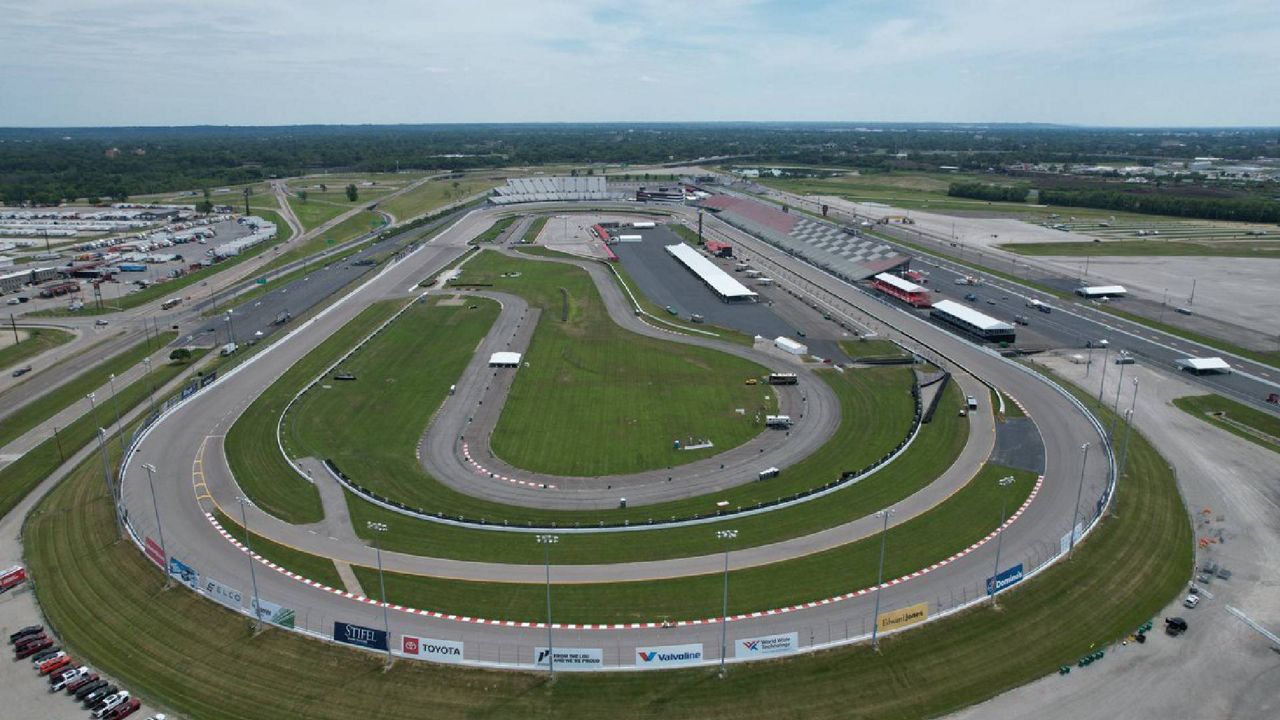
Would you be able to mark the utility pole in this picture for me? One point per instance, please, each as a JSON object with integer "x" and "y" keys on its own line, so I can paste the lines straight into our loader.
{"x": 725, "y": 535}
{"x": 116, "y": 402}
{"x": 58, "y": 440}
{"x": 1005, "y": 482}
{"x": 547, "y": 541}
{"x": 151, "y": 383}
{"x": 111, "y": 486}
{"x": 1192, "y": 300}
{"x": 379, "y": 528}
{"x": 253, "y": 577}
{"x": 159, "y": 531}
{"x": 875, "y": 618}
{"x": 1075, "y": 509}
{"x": 13, "y": 324}
{"x": 1102, "y": 384}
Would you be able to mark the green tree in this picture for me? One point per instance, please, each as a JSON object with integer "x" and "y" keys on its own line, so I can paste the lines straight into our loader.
{"x": 181, "y": 355}
{"x": 302, "y": 195}
{"x": 205, "y": 206}
{"x": 324, "y": 188}
{"x": 352, "y": 193}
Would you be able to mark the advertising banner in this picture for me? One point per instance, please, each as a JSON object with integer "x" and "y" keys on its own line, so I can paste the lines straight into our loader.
{"x": 446, "y": 651}
{"x": 1009, "y": 577}
{"x": 569, "y": 657}
{"x": 224, "y": 594}
{"x": 1064, "y": 543}
{"x": 184, "y": 573}
{"x": 272, "y": 613}
{"x": 901, "y": 618}
{"x": 767, "y": 645}
{"x": 153, "y": 551}
{"x": 360, "y": 635}
{"x": 208, "y": 378}
{"x": 665, "y": 655}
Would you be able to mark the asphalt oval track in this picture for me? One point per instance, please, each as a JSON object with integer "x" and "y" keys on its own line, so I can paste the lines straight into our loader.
{"x": 185, "y": 447}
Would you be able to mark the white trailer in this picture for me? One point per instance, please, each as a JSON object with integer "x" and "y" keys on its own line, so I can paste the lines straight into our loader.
{"x": 777, "y": 421}
{"x": 788, "y": 345}
{"x": 644, "y": 225}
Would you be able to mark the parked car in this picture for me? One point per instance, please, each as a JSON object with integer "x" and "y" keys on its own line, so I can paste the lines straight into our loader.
{"x": 22, "y": 371}
{"x": 27, "y": 631}
{"x": 83, "y": 691}
{"x": 100, "y": 323}
{"x": 84, "y": 681}
{"x": 28, "y": 639}
{"x": 61, "y": 680}
{"x": 110, "y": 703}
{"x": 92, "y": 698}
{"x": 54, "y": 664}
{"x": 46, "y": 654}
{"x": 126, "y": 709}
{"x": 1191, "y": 601}
{"x": 13, "y": 301}
{"x": 1175, "y": 626}
{"x": 30, "y": 649}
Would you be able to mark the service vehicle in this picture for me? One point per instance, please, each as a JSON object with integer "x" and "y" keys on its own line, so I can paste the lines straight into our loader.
{"x": 228, "y": 349}
{"x": 1182, "y": 310}
{"x": 12, "y": 301}
{"x": 100, "y": 323}
{"x": 1191, "y": 601}
{"x": 1124, "y": 358}
{"x": 15, "y": 575}
{"x": 971, "y": 402}
{"x": 344, "y": 376}
{"x": 696, "y": 318}
{"x": 1175, "y": 626}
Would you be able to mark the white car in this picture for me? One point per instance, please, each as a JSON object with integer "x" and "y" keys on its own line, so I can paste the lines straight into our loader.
{"x": 66, "y": 677}
{"x": 1191, "y": 601}
{"x": 109, "y": 703}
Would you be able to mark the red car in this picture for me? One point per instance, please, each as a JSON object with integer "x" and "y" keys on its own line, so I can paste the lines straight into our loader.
{"x": 123, "y": 710}
{"x": 54, "y": 664}
{"x": 80, "y": 682}
{"x": 30, "y": 649}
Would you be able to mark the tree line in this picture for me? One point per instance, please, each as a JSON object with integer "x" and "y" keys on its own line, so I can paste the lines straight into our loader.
{"x": 1253, "y": 209}
{"x": 988, "y": 192}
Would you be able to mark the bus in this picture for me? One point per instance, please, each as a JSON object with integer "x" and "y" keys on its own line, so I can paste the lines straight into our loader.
{"x": 783, "y": 378}
{"x": 171, "y": 303}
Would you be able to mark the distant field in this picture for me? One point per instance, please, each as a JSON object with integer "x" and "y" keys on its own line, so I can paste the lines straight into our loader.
{"x": 1236, "y": 418}
{"x": 37, "y": 340}
{"x": 432, "y": 195}
{"x": 313, "y": 215}
{"x": 349, "y": 229}
{"x": 619, "y": 400}
{"x": 1127, "y": 248}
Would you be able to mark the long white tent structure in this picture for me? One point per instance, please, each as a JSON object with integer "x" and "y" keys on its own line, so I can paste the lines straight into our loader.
{"x": 970, "y": 320}
{"x": 729, "y": 289}
{"x": 1199, "y": 366}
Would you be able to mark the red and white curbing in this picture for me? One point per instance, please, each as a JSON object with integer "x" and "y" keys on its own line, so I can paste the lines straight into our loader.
{"x": 466, "y": 455}
{"x": 637, "y": 625}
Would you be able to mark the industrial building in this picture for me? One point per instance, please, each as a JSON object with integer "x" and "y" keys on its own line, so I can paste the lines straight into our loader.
{"x": 719, "y": 249}
{"x": 972, "y": 322}
{"x": 721, "y": 283}
{"x": 904, "y": 290}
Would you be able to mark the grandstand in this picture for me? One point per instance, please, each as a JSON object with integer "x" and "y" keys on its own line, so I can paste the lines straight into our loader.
{"x": 849, "y": 257}
{"x": 550, "y": 189}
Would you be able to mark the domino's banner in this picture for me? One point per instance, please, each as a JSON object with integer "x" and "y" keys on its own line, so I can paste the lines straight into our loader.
{"x": 588, "y": 658}
{"x": 1012, "y": 576}
{"x": 767, "y": 645}
{"x": 360, "y": 636}
{"x": 184, "y": 573}
{"x": 667, "y": 655}
{"x": 224, "y": 594}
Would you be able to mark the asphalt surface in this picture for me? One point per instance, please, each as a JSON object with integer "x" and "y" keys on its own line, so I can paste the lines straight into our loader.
{"x": 185, "y": 445}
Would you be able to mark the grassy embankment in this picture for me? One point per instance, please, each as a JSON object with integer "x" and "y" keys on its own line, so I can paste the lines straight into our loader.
{"x": 1138, "y": 248}
{"x": 33, "y": 342}
{"x": 1236, "y": 418}
{"x": 97, "y": 591}
{"x": 432, "y": 195}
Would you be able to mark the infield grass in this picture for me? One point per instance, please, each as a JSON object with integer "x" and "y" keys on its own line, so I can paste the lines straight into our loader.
{"x": 433, "y": 195}
{"x": 255, "y": 459}
{"x": 534, "y": 230}
{"x": 1236, "y": 418}
{"x": 359, "y": 224}
{"x": 618, "y": 400}
{"x": 37, "y": 341}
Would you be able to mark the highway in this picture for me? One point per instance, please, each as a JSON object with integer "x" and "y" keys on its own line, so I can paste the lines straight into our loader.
{"x": 185, "y": 447}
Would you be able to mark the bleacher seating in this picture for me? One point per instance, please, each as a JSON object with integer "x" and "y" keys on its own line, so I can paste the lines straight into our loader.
{"x": 549, "y": 189}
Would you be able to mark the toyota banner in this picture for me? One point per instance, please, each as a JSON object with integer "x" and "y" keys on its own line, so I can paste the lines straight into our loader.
{"x": 446, "y": 651}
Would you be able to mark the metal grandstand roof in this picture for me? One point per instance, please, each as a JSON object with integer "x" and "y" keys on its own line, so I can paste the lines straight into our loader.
{"x": 901, "y": 284}
{"x": 720, "y": 281}
{"x": 966, "y": 314}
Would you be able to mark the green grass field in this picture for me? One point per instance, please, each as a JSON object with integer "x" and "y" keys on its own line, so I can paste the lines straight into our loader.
{"x": 313, "y": 215}
{"x": 934, "y": 450}
{"x": 534, "y": 230}
{"x": 1127, "y": 248}
{"x": 619, "y": 400}
{"x": 433, "y": 195}
{"x": 96, "y": 592}
{"x": 494, "y": 231}
{"x": 1236, "y": 418}
{"x": 317, "y": 568}
{"x": 403, "y": 376}
{"x": 20, "y": 421}
{"x": 349, "y": 229}
{"x": 22, "y": 475}
{"x": 251, "y": 447}
{"x": 37, "y": 340}
{"x": 872, "y": 349}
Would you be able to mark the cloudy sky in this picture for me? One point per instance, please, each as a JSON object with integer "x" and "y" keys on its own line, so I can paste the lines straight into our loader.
{"x": 249, "y": 62}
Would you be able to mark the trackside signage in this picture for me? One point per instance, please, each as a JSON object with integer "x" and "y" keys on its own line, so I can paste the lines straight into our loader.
{"x": 767, "y": 645}
{"x": 901, "y": 618}
{"x": 224, "y": 594}
{"x": 1004, "y": 579}
{"x": 581, "y": 658}
{"x": 360, "y": 635}
{"x": 446, "y": 651}
{"x": 660, "y": 655}
{"x": 184, "y": 573}
{"x": 273, "y": 613}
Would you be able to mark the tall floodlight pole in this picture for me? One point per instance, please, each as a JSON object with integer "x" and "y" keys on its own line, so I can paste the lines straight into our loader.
{"x": 116, "y": 402}
{"x": 875, "y": 618}
{"x": 1128, "y": 417}
{"x": 1075, "y": 509}
{"x": 547, "y": 541}
{"x": 1102, "y": 384}
{"x": 1005, "y": 482}
{"x": 151, "y": 383}
{"x": 253, "y": 577}
{"x": 159, "y": 531}
{"x": 379, "y": 528}
{"x": 111, "y": 487}
{"x": 231, "y": 328}
{"x": 725, "y": 535}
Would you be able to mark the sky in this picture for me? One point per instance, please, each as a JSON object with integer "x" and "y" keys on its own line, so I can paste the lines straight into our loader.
{"x": 282, "y": 62}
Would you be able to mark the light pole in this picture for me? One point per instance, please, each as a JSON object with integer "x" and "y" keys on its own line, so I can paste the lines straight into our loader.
{"x": 231, "y": 328}
{"x": 379, "y": 528}
{"x": 1005, "y": 482}
{"x": 116, "y": 402}
{"x": 875, "y": 618}
{"x": 1102, "y": 384}
{"x": 253, "y": 577}
{"x": 1128, "y": 417}
{"x": 159, "y": 531}
{"x": 212, "y": 298}
{"x": 1075, "y": 509}
{"x": 725, "y": 535}
{"x": 547, "y": 541}
{"x": 151, "y": 383}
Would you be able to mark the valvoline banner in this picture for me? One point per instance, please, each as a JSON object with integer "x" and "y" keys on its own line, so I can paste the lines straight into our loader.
{"x": 660, "y": 655}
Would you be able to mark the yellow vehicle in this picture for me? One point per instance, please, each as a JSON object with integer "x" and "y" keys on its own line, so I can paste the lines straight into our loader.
{"x": 752, "y": 381}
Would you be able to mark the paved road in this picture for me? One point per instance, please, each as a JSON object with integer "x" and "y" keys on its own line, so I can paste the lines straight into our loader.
{"x": 176, "y": 447}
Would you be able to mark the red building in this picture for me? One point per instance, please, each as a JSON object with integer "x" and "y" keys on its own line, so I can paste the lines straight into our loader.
{"x": 719, "y": 249}
{"x": 905, "y": 290}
